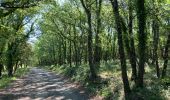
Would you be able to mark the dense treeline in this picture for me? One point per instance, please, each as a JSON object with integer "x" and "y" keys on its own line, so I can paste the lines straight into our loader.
{"x": 78, "y": 32}
{"x": 15, "y": 31}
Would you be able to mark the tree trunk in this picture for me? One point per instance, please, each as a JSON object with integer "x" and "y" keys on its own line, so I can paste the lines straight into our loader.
{"x": 65, "y": 51}
{"x": 155, "y": 29}
{"x": 70, "y": 61}
{"x": 60, "y": 54}
{"x": 76, "y": 54}
{"x": 10, "y": 60}
{"x": 70, "y": 50}
{"x": 1, "y": 67}
{"x": 75, "y": 46}
{"x": 142, "y": 40}
{"x": 90, "y": 50}
{"x": 166, "y": 57}
{"x": 121, "y": 48}
{"x": 132, "y": 44}
{"x": 97, "y": 51}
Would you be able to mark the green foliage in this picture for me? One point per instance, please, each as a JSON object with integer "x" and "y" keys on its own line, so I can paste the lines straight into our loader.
{"x": 63, "y": 42}
{"x": 82, "y": 74}
{"x": 106, "y": 92}
{"x": 153, "y": 93}
{"x": 5, "y": 80}
{"x": 166, "y": 82}
{"x": 15, "y": 30}
{"x": 110, "y": 85}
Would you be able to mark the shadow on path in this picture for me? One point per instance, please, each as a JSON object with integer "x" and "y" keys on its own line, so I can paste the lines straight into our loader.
{"x": 42, "y": 85}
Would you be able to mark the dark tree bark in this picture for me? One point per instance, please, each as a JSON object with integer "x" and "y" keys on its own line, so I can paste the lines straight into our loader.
{"x": 129, "y": 42}
{"x": 141, "y": 16}
{"x": 155, "y": 29}
{"x": 75, "y": 46}
{"x": 65, "y": 51}
{"x": 166, "y": 57}
{"x": 70, "y": 54}
{"x": 97, "y": 51}
{"x": 127, "y": 89}
{"x": 87, "y": 9}
{"x": 1, "y": 67}
{"x": 53, "y": 52}
{"x": 10, "y": 59}
{"x": 70, "y": 51}
{"x": 90, "y": 51}
{"x": 130, "y": 50}
{"x": 76, "y": 54}
{"x": 60, "y": 55}
{"x": 132, "y": 44}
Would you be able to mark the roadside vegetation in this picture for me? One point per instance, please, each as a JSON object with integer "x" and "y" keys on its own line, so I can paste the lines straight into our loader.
{"x": 6, "y": 81}
{"x": 110, "y": 87}
{"x": 118, "y": 49}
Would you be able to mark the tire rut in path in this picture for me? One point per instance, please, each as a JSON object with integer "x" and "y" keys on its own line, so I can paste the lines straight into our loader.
{"x": 39, "y": 84}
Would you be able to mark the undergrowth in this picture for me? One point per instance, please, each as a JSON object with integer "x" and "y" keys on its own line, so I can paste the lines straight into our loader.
{"x": 110, "y": 87}
{"x": 5, "y": 80}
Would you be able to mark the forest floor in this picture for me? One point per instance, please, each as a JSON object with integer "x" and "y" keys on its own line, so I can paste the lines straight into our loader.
{"x": 110, "y": 86}
{"x": 40, "y": 84}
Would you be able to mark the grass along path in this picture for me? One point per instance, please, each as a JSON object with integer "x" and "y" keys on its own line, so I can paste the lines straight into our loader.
{"x": 5, "y": 80}
{"x": 155, "y": 89}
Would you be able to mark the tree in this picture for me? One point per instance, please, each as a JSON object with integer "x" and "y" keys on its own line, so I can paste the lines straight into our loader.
{"x": 97, "y": 52}
{"x": 87, "y": 7}
{"x": 142, "y": 36}
{"x": 127, "y": 89}
{"x": 155, "y": 42}
{"x": 166, "y": 54}
{"x": 132, "y": 45}
{"x": 13, "y": 5}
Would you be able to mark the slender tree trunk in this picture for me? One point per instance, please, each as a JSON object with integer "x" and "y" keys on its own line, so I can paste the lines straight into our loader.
{"x": 90, "y": 50}
{"x": 10, "y": 60}
{"x": 1, "y": 64}
{"x": 166, "y": 57}
{"x": 70, "y": 60}
{"x": 130, "y": 50}
{"x": 70, "y": 51}
{"x": 132, "y": 44}
{"x": 60, "y": 54}
{"x": 155, "y": 29}
{"x": 16, "y": 66}
{"x": 1, "y": 67}
{"x": 127, "y": 89}
{"x": 75, "y": 46}
{"x": 97, "y": 51}
{"x": 76, "y": 54}
{"x": 142, "y": 40}
{"x": 65, "y": 51}
{"x": 54, "y": 52}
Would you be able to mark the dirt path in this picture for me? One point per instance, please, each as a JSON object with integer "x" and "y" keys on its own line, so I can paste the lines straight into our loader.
{"x": 42, "y": 85}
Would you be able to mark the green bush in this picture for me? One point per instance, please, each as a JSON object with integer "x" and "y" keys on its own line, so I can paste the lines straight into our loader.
{"x": 5, "y": 81}
{"x": 81, "y": 74}
{"x": 165, "y": 82}
{"x": 106, "y": 92}
{"x": 69, "y": 71}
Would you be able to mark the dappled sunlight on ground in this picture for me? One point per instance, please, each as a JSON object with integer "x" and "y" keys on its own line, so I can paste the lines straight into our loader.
{"x": 40, "y": 85}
